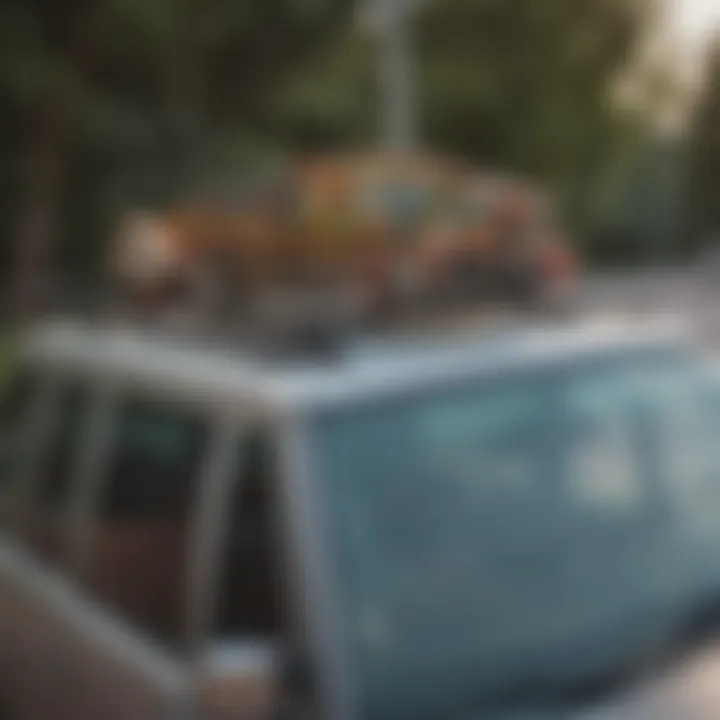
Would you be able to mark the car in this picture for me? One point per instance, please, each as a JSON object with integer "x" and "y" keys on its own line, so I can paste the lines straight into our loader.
{"x": 522, "y": 522}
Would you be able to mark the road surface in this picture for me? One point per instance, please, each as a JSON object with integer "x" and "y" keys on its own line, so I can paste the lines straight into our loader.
{"x": 684, "y": 292}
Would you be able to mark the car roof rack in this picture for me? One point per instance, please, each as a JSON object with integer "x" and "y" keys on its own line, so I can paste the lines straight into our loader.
{"x": 287, "y": 327}
{"x": 295, "y": 324}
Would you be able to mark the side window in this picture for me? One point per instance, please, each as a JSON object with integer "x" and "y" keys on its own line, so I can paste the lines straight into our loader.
{"x": 605, "y": 471}
{"x": 138, "y": 563}
{"x": 617, "y": 478}
{"x": 686, "y": 415}
{"x": 54, "y": 475}
{"x": 250, "y": 625}
{"x": 16, "y": 398}
{"x": 249, "y": 593}
{"x": 154, "y": 462}
{"x": 496, "y": 446}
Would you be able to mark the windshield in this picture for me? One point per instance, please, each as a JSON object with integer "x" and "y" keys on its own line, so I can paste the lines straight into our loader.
{"x": 552, "y": 523}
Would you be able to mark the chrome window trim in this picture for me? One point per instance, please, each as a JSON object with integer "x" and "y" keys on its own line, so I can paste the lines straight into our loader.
{"x": 96, "y": 478}
{"x": 209, "y": 531}
{"x": 294, "y": 555}
{"x": 311, "y": 574}
{"x": 98, "y": 435}
{"x": 43, "y": 416}
{"x": 306, "y": 562}
{"x": 35, "y": 418}
{"x": 41, "y": 426}
{"x": 60, "y": 590}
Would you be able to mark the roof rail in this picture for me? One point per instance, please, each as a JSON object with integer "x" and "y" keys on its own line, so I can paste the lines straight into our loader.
{"x": 296, "y": 322}
{"x": 281, "y": 325}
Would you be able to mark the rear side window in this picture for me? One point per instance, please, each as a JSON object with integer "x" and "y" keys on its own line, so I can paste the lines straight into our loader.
{"x": 154, "y": 462}
{"x": 605, "y": 463}
{"x": 60, "y": 457}
{"x": 139, "y": 557}
{"x": 16, "y": 397}
{"x": 56, "y": 469}
{"x": 249, "y": 599}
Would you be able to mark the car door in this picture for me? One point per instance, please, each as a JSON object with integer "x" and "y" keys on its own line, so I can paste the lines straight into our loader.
{"x": 124, "y": 639}
{"x": 35, "y": 567}
{"x": 26, "y": 403}
{"x": 243, "y": 610}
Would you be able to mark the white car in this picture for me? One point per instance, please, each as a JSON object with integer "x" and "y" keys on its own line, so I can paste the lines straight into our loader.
{"x": 521, "y": 524}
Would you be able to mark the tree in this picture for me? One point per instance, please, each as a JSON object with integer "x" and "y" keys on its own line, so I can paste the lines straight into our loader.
{"x": 329, "y": 102}
{"x": 529, "y": 86}
{"x": 133, "y": 89}
{"x": 703, "y": 184}
{"x": 523, "y": 85}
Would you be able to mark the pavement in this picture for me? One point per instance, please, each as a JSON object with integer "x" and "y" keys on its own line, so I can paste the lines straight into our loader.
{"x": 647, "y": 290}
{"x": 685, "y": 292}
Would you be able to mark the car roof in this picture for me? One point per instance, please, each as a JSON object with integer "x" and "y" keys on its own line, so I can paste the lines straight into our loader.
{"x": 366, "y": 367}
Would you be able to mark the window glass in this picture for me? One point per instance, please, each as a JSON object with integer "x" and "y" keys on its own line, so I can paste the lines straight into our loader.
{"x": 685, "y": 411}
{"x": 55, "y": 472}
{"x": 604, "y": 468}
{"x": 140, "y": 554}
{"x": 660, "y": 518}
{"x": 485, "y": 534}
{"x": 16, "y": 397}
{"x": 60, "y": 458}
{"x": 248, "y": 602}
{"x": 443, "y": 510}
{"x": 614, "y": 504}
{"x": 155, "y": 460}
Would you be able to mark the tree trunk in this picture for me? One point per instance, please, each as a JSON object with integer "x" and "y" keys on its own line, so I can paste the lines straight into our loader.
{"x": 44, "y": 180}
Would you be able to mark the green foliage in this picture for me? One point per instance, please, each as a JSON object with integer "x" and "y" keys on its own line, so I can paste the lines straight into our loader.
{"x": 524, "y": 82}
{"x": 528, "y": 86}
{"x": 703, "y": 201}
{"x": 519, "y": 84}
{"x": 329, "y": 101}
{"x": 130, "y": 100}
{"x": 158, "y": 97}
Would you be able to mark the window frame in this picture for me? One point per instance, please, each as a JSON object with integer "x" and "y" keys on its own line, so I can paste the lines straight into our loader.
{"x": 45, "y": 414}
{"x": 87, "y": 508}
{"x": 56, "y": 383}
{"x": 36, "y": 422}
{"x": 318, "y": 608}
{"x": 229, "y": 420}
{"x": 301, "y": 556}
{"x": 640, "y": 459}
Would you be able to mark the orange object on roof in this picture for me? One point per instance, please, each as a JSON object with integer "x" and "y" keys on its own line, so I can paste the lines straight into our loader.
{"x": 361, "y": 220}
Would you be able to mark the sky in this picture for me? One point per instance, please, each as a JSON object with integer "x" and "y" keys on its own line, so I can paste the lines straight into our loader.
{"x": 680, "y": 39}
{"x": 695, "y": 19}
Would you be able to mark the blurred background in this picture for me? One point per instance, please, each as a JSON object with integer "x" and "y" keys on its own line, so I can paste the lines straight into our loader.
{"x": 113, "y": 105}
